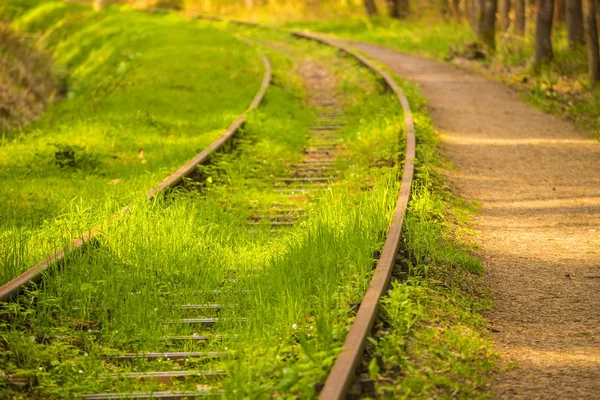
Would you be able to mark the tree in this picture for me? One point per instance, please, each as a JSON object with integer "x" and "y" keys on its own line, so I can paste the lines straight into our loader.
{"x": 592, "y": 13}
{"x": 487, "y": 23}
{"x": 504, "y": 13}
{"x": 370, "y": 7}
{"x": 468, "y": 11}
{"x": 399, "y": 8}
{"x": 475, "y": 6}
{"x": 543, "y": 33}
{"x": 575, "y": 22}
{"x": 520, "y": 17}
{"x": 559, "y": 11}
{"x": 98, "y": 5}
{"x": 455, "y": 8}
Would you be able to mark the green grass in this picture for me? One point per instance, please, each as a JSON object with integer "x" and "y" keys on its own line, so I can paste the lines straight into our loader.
{"x": 432, "y": 340}
{"x": 562, "y": 87}
{"x": 143, "y": 97}
{"x": 423, "y": 38}
{"x": 295, "y": 288}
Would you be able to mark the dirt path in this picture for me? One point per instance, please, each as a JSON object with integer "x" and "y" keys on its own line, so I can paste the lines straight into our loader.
{"x": 538, "y": 181}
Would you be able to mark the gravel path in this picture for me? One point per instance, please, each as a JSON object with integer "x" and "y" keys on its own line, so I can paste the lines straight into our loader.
{"x": 538, "y": 180}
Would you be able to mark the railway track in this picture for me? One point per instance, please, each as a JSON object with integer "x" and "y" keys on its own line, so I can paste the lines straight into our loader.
{"x": 193, "y": 368}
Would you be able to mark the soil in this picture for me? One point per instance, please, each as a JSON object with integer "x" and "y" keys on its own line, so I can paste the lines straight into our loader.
{"x": 28, "y": 82}
{"x": 538, "y": 181}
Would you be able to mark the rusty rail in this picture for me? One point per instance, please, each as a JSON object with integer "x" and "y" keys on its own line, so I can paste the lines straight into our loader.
{"x": 35, "y": 273}
{"x": 343, "y": 372}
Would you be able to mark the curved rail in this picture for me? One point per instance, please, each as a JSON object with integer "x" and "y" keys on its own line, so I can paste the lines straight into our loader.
{"x": 35, "y": 273}
{"x": 343, "y": 372}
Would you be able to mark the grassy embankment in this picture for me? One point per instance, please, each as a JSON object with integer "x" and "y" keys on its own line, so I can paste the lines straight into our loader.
{"x": 143, "y": 96}
{"x": 562, "y": 88}
{"x": 295, "y": 288}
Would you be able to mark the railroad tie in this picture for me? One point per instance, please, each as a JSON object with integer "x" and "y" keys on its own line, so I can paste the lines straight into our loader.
{"x": 175, "y": 355}
{"x": 153, "y": 395}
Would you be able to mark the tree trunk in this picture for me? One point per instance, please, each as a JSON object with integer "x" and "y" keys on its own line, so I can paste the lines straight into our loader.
{"x": 468, "y": 11}
{"x": 455, "y": 8}
{"x": 487, "y": 23}
{"x": 559, "y": 12}
{"x": 404, "y": 8}
{"x": 399, "y": 8}
{"x": 98, "y": 5}
{"x": 370, "y": 7}
{"x": 520, "y": 17}
{"x": 543, "y": 33}
{"x": 575, "y": 23}
{"x": 475, "y": 14}
{"x": 593, "y": 48}
{"x": 597, "y": 8}
{"x": 444, "y": 8}
{"x": 504, "y": 11}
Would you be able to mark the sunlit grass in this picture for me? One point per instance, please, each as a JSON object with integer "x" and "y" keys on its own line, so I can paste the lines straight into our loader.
{"x": 431, "y": 39}
{"x": 433, "y": 340}
{"x": 143, "y": 97}
{"x": 295, "y": 289}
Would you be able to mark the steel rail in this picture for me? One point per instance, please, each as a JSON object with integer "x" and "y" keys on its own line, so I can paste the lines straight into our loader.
{"x": 344, "y": 369}
{"x": 342, "y": 374}
{"x": 35, "y": 273}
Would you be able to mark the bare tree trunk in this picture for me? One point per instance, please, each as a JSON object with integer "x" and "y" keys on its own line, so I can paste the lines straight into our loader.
{"x": 504, "y": 11}
{"x": 393, "y": 8}
{"x": 487, "y": 23}
{"x": 593, "y": 48}
{"x": 575, "y": 22}
{"x": 455, "y": 8}
{"x": 520, "y": 17}
{"x": 543, "y": 33}
{"x": 370, "y": 7}
{"x": 98, "y": 5}
{"x": 399, "y": 8}
{"x": 468, "y": 11}
{"x": 476, "y": 15}
{"x": 597, "y": 8}
{"x": 559, "y": 12}
{"x": 404, "y": 8}
{"x": 444, "y": 8}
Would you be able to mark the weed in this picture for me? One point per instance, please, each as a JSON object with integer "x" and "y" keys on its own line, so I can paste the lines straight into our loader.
{"x": 294, "y": 289}
{"x": 432, "y": 339}
{"x": 131, "y": 116}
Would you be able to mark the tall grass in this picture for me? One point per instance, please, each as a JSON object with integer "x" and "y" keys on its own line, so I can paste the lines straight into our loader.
{"x": 143, "y": 97}
{"x": 296, "y": 289}
{"x": 432, "y": 340}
